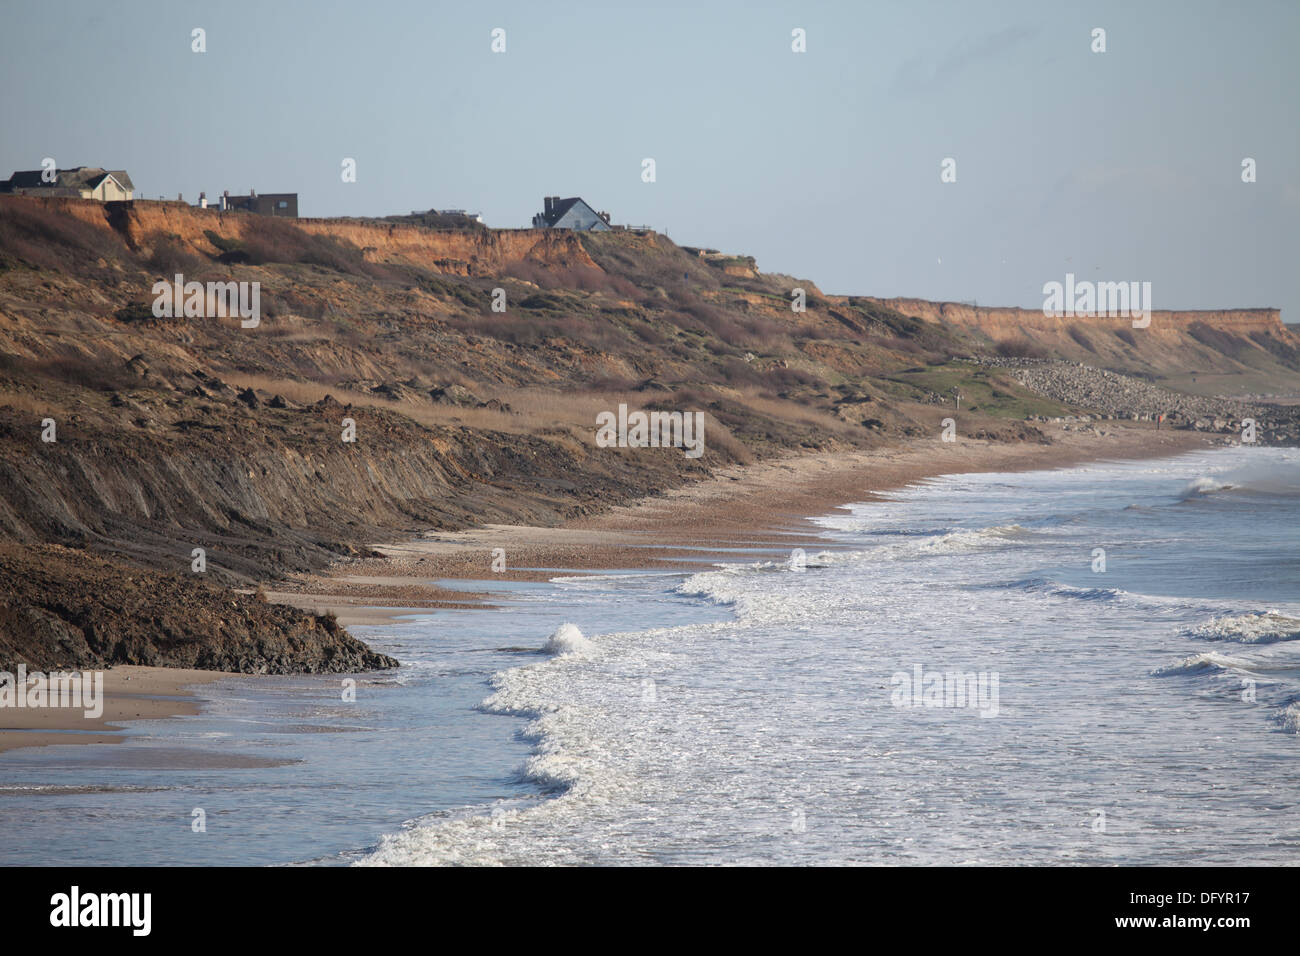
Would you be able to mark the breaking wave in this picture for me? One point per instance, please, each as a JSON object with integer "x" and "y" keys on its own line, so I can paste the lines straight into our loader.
{"x": 1256, "y": 627}
{"x": 1207, "y": 663}
{"x": 567, "y": 639}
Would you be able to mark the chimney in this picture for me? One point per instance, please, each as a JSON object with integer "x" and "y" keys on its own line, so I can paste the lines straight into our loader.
{"x": 548, "y": 204}
{"x": 225, "y": 200}
{"x": 203, "y": 200}
{"x": 252, "y": 193}
{"x": 180, "y": 197}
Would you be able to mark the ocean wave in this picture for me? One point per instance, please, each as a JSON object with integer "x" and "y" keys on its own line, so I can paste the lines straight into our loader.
{"x": 1155, "y": 603}
{"x": 1056, "y": 589}
{"x": 956, "y": 542}
{"x": 77, "y": 789}
{"x": 1207, "y": 663}
{"x": 1272, "y": 476}
{"x": 727, "y": 583}
{"x": 567, "y": 639}
{"x": 1205, "y": 486}
{"x": 1255, "y": 627}
{"x": 736, "y": 585}
{"x": 1288, "y": 717}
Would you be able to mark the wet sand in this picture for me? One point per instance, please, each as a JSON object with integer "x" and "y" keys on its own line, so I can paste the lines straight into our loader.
{"x": 130, "y": 693}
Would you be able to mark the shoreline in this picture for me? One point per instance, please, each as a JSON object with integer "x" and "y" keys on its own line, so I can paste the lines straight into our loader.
{"x": 742, "y": 509}
{"x": 763, "y": 506}
{"x": 131, "y": 692}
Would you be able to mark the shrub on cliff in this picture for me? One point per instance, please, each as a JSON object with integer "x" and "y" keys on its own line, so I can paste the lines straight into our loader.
{"x": 1020, "y": 348}
{"x": 277, "y": 240}
{"x": 171, "y": 256}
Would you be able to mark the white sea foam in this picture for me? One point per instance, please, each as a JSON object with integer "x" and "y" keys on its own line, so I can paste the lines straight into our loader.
{"x": 567, "y": 639}
{"x": 1288, "y": 717}
{"x": 1255, "y": 627}
{"x": 770, "y": 737}
{"x": 1271, "y": 473}
{"x": 1206, "y": 486}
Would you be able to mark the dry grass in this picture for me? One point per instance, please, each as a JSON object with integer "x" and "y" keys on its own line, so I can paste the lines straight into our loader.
{"x": 533, "y": 409}
{"x": 790, "y": 411}
{"x": 38, "y": 408}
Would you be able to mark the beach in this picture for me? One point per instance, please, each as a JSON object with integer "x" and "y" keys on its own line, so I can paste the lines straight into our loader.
{"x": 130, "y": 693}
{"x": 765, "y": 507}
{"x": 695, "y": 701}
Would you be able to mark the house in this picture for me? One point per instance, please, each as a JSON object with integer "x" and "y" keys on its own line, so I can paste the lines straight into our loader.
{"x": 570, "y": 213}
{"x": 267, "y": 204}
{"x": 82, "y": 182}
{"x": 455, "y": 214}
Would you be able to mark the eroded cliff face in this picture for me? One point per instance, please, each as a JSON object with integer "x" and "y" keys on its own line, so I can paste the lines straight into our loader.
{"x": 1252, "y": 347}
{"x": 998, "y": 322}
{"x": 264, "y": 490}
{"x": 464, "y": 253}
{"x": 451, "y": 252}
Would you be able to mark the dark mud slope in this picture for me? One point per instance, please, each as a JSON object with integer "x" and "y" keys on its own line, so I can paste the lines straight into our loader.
{"x": 103, "y": 613}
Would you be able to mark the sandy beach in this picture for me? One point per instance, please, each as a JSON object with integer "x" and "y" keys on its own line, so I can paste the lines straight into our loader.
{"x": 766, "y": 505}
{"x": 130, "y": 693}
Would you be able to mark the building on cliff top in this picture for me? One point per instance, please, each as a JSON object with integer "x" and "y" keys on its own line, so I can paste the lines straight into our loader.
{"x": 572, "y": 213}
{"x": 82, "y": 182}
{"x": 267, "y": 204}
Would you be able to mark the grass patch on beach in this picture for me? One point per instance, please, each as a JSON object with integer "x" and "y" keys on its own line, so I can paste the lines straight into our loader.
{"x": 988, "y": 391}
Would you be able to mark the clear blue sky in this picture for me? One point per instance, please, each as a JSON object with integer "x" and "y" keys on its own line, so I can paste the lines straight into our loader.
{"x": 1118, "y": 166}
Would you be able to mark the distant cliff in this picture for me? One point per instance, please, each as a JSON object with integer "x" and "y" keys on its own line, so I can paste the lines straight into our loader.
{"x": 456, "y": 252}
{"x": 997, "y": 321}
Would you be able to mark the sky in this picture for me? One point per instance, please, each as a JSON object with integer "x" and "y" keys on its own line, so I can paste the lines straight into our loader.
{"x": 1117, "y": 166}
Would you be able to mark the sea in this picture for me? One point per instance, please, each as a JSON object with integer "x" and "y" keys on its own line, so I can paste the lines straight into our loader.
{"x": 1094, "y": 665}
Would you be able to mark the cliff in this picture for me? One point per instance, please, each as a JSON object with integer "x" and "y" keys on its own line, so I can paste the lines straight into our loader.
{"x": 1229, "y": 350}
{"x": 999, "y": 321}
{"x": 193, "y": 431}
{"x": 480, "y": 252}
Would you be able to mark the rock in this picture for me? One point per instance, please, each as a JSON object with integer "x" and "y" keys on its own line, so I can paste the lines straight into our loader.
{"x": 454, "y": 395}
{"x": 1114, "y": 396}
{"x": 394, "y": 392}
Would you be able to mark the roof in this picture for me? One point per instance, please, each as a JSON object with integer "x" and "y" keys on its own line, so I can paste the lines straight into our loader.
{"x": 79, "y": 177}
{"x": 564, "y": 205}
